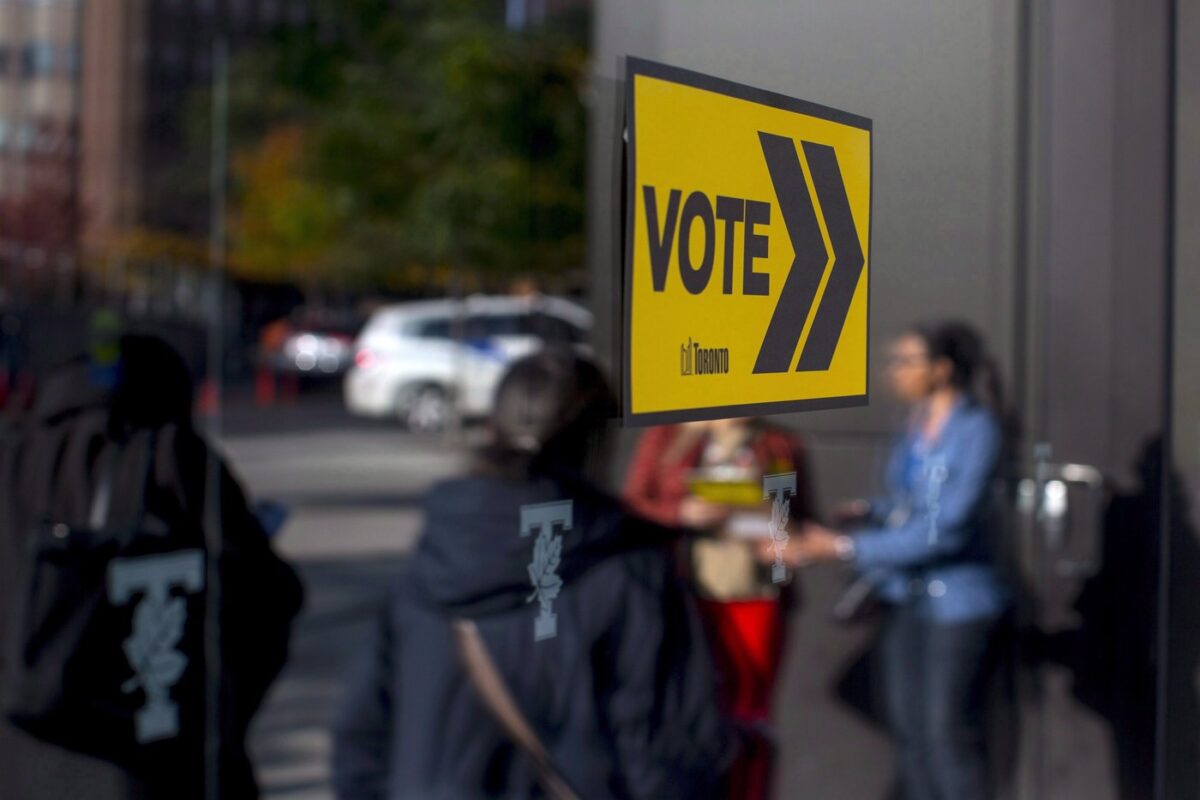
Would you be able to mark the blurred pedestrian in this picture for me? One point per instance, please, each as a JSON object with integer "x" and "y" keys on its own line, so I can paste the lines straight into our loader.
{"x": 104, "y": 526}
{"x": 273, "y": 379}
{"x": 925, "y": 546}
{"x": 602, "y": 688}
{"x": 708, "y": 477}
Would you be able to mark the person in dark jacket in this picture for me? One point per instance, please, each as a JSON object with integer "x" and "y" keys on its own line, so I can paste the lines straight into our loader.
{"x": 86, "y": 411}
{"x": 618, "y": 685}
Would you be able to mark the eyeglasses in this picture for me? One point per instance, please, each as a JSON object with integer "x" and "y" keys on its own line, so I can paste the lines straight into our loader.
{"x": 905, "y": 360}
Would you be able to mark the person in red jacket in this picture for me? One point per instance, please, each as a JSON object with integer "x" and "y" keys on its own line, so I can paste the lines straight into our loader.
{"x": 708, "y": 476}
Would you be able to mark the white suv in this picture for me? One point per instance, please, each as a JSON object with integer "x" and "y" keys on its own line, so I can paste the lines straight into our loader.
{"x": 425, "y": 362}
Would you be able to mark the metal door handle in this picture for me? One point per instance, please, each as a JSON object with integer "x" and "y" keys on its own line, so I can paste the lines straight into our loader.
{"x": 1073, "y": 473}
{"x": 1046, "y": 500}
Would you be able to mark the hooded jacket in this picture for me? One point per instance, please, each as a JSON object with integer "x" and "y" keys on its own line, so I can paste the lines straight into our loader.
{"x": 48, "y": 469}
{"x": 623, "y": 696}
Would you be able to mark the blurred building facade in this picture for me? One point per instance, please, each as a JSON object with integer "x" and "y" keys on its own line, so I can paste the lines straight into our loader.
{"x": 39, "y": 115}
{"x": 94, "y": 96}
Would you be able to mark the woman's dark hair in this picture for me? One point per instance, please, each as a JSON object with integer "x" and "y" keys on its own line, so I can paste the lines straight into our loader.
{"x": 973, "y": 370}
{"x": 550, "y": 413}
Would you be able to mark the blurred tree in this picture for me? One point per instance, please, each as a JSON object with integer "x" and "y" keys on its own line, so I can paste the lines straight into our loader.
{"x": 392, "y": 138}
{"x": 285, "y": 221}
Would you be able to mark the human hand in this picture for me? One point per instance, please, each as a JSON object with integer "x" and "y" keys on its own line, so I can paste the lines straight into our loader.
{"x": 764, "y": 551}
{"x": 815, "y": 544}
{"x": 696, "y": 512}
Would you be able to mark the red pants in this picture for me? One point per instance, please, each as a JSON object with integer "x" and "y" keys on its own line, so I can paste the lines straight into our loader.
{"x": 747, "y": 639}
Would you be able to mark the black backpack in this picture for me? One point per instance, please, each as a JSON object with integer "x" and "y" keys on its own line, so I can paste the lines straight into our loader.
{"x": 105, "y": 653}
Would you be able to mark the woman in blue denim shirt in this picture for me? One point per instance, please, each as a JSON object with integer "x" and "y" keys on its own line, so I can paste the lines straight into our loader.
{"x": 926, "y": 547}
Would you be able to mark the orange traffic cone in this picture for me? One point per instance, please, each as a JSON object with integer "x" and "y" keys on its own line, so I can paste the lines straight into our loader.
{"x": 206, "y": 399}
{"x": 264, "y": 386}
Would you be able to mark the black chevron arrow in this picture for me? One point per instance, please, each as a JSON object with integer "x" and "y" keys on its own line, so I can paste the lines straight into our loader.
{"x": 847, "y": 254}
{"x": 800, "y": 218}
{"x": 808, "y": 265}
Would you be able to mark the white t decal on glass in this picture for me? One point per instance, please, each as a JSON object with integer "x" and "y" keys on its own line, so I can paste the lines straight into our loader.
{"x": 158, "y": 625}
{"x": 779, "y": 489}
{"x": 541, "y": 518}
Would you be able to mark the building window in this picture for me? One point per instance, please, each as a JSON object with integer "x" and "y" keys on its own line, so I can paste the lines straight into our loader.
{"x": 70, "y": 59}
{"x": 23, "y": 140}
{"x": 37, "y": 59}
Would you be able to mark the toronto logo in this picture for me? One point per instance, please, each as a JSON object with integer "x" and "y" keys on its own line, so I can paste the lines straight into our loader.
{"x": 546, "y": 521}
{"x": 779, "y": 489}
{"x": 159, "y": 620}
{"x": 697, "y": 360}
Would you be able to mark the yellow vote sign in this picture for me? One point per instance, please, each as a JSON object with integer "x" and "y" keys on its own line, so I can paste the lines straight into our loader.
{"x": 747, "y": 242}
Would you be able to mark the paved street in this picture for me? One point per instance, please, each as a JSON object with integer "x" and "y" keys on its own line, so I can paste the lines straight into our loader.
{"x": 353, "y": 489}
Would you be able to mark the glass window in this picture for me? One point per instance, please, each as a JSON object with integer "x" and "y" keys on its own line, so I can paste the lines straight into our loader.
{"x": 554, "y": 329}
{"x": 44, "y": 140}
{"x": 24, "y": 137}
{"x": 70, "y": 59}
{"x": 37, "y": 58}
{"x": 485, "y": 326}
{"x": 436, "y": 328}
{"x": 426, "y": 164}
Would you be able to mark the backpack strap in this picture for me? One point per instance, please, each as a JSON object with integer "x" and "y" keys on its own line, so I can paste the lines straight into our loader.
{"x": 98, "y": 517}
{"x": 489, "y": 683}
{"x": 102, "y": 497}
